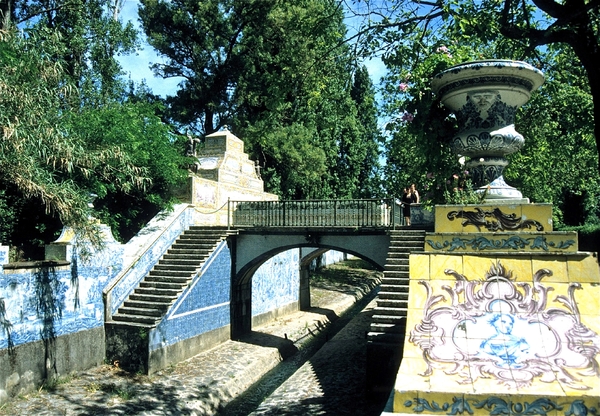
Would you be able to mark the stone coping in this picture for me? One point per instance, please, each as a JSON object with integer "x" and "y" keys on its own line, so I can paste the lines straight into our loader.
{"x": 35, "y": 264}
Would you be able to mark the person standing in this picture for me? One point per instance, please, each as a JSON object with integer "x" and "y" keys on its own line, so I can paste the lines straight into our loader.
{"x": 406, "y": 201}
{"x": 416, "y": 199}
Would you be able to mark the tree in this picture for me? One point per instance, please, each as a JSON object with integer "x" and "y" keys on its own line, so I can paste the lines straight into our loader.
{"x": 75, "y": 129}
{"x": 268, "y": 71}
{"x": 41, "y": 156}
{"x": 135, "y": 129}
{"x": 412, "y": 27}
{"x": 369, "y": 183}
{"x": 557, "y": 124}
{"x": 559, "y": 127}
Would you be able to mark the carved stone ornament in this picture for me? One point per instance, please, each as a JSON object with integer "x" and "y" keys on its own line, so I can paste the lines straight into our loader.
{"x": 493, "y": 220}
{"x": 485, "y": 96}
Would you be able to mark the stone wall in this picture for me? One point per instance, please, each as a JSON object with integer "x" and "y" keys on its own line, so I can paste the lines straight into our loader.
{"x": 52, "y": 317}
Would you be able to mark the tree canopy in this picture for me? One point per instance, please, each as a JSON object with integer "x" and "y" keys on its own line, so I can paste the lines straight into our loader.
{"x": 275, "y": 74}
{"x": 285, "y": 77}
{"x": 405, "y": 31}
{"x": 71, "y": 131}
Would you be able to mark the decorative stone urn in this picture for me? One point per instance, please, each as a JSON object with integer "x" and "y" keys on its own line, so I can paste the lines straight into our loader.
{"x": 485, "y": 96}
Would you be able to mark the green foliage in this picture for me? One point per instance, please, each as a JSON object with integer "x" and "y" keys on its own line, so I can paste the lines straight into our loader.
{"x": 67, "y": 133}
{"x": 38, "y": 155}
{"x": 278, "y": 74}
{"x": 459, "y": 190}
{"x": 123, "y": 203}
{"x": 562, "y": 139}
{"x": 558, "y": 162}
{"x": 369, "y": 184}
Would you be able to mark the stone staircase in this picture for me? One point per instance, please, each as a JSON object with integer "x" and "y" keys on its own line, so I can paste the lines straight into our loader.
{"x": 388, "y": 323}
{"x": 148, "y": 303}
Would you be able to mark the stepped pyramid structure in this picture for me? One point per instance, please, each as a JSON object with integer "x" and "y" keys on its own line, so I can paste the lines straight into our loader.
{"x": 503, "y": 317}
{"x": 224, "y": 172}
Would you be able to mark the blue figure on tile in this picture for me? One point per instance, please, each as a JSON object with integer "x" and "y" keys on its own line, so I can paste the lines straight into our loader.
{"x": 507, "y": 349}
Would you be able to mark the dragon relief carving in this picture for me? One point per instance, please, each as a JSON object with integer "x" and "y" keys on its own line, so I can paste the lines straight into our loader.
{"x": 494, "y": 220}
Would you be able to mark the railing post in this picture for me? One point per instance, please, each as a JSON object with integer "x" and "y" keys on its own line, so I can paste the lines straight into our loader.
{"x": 229, "y": 215}
{"x": 284, "y": 214}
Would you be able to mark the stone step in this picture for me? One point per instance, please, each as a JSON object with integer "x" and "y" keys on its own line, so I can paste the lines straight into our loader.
{"x": 402, "y": 305}
{"x": 159, "y": 288}
{"x": 389, "y": 319}
{"x": 202, "y": 235}
{"x": 406, "y": 248}
{"x": 398, "y": 260}
{"x": 133, "y": 302}
{"x": 389, "y": 295}
{"x": 399, "y": 256}
{"x": 385, "y": 287}
{"x": 407, "y": 237}
{"x": 124, "y": 310}
{"x": 188, "y": 251}
{"x": 385, "y": 338}
{"x": 150, "y": 294}
{"x": 200, "y": 240}
{"x": 396, "y": 271}
{"x": 388, "y": 274}
{"x": 394, "y": 281}
{"x": 168, "y": 279}
{"x": 388, "y": 328}
{"x": 391, "y": 312}
{"x": 181, "y": 257}
{"x": 179, "y": 260}
{"x": 389, "y": 316}
{"x": 146, "y": 320}
{"x": 169, "y": 274}
{"x": 220, "y": 229}
{"x": 176, "y": 267}
{"x": 396, "y": 267}
{"x": 190, "y": 245}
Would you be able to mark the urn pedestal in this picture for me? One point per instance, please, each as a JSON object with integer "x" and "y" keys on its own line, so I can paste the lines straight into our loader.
{"x": 484, "y": 96}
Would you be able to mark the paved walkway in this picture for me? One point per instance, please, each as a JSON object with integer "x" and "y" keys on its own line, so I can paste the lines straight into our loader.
{"x": 206, "y": 383}
{"x": 332, "y": 382}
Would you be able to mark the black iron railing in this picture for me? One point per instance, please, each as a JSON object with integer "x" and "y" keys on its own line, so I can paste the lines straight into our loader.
{"x": 374, "y": 213}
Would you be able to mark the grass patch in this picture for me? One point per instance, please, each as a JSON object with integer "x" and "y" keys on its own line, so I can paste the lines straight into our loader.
{"x": 123, "y": 392}
{"x": 344, "y": 275}
{"x": 54, "y": 383}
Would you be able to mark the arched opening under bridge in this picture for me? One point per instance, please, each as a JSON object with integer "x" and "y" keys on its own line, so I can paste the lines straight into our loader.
{"x": 251, "y": 248}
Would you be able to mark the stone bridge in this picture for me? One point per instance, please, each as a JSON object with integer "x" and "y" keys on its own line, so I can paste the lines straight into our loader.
{"x": 251, "y": 247}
